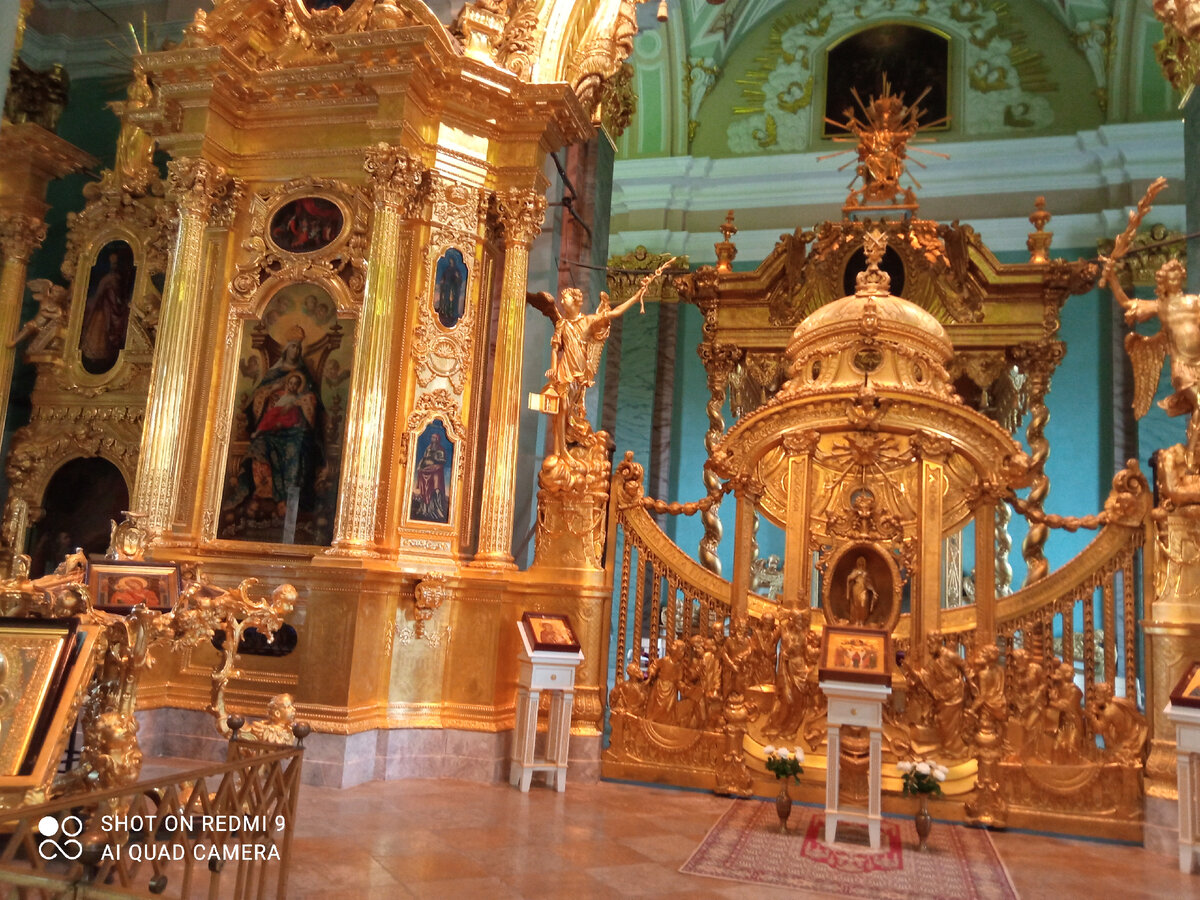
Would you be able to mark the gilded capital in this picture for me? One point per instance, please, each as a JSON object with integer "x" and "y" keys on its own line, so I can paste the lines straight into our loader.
{"x": 197, "y": 185}
{"x": 718, "y": 359}
{"x": 521, "y": 212}
{"x": 20, "y": 236}
{"x": 399, "y": 178}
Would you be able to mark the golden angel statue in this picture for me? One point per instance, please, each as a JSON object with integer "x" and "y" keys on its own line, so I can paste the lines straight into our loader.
{"x": 1179, "y": 335}
{"x": 46, "y": 325}
{"x": 575, "y": 352}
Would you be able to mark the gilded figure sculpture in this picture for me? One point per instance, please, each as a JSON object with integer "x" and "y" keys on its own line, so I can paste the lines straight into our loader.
{"x": 629, "y": 696}
{"x": 861, "y": 595}
{"x": 791, "y": 680}
{"x": 1178, "y": 313}
{"x": 45, "y": 328}
{"x": 942, "y": 679}
{"x": 1028, "y": 696}
{"x": 575, "y": 352}
{"x": 1066, "y": 705}
{"x": 664, "y": 679}
{"x": 1119, "y": 723}
{"x": 277, "y": 727}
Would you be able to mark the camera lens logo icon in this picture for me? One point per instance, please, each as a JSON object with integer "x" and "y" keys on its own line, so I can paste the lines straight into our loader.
{"x": 68, "y": 829}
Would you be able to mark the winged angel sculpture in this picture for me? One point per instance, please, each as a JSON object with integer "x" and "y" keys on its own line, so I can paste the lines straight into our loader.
{"x": 1178, "y": 335}
{"x": 575, "y": 352}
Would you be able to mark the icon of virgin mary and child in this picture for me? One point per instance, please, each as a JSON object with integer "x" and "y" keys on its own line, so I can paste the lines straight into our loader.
{"x": 285, "y": 419}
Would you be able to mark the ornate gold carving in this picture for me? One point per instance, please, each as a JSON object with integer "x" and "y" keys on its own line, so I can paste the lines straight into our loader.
{"x": 521, "y": 211}
{"x": 36, "y": 97}
{"x": 343, "y": 258}
{"x": 1039, "y": 239}
{"x": 516, "y": 45}
{"x": 882, "y": 149}
{"x": 21, "y": 235}
{"x": 197, "y": 185}
{"x": 45, "y": 328}
{"x": 399, "y": 179}
{"x": 428, "y": 596}
{"x": 601, "y": 57}
{"x": 61, "y": 433}
{"x": 1179, "y": 51}
{"x": 618, "y": 101}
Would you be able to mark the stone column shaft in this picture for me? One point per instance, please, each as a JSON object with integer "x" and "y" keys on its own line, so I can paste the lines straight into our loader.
{"x": 401, "y": 185}
{"x": 521, "y": 211}
{"x": 197, "y": 185}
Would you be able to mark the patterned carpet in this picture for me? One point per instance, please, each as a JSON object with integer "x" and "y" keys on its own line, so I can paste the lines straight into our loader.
{"x": 746, "y": 845}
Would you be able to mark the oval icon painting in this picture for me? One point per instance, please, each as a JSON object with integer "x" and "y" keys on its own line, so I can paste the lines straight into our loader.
{"x": 306, "y": 225}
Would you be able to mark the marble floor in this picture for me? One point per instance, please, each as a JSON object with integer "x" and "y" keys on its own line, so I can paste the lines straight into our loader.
{"x": 447, "y": 839}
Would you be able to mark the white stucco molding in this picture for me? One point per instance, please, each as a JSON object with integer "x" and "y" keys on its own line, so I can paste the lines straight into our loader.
{"x": 1089, "y": 178}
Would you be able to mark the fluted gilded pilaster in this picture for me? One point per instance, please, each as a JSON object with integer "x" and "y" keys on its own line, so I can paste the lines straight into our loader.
{"x": 19, "y": 237}
{"x": 521, "y": 211}
{"x": 401, "y": 185}
{"x": 197, "y": 186}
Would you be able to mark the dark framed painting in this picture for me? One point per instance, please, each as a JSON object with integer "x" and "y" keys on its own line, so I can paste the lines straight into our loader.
{"x": 855, "y": 654}
{"x": 322, "y": 5}
{"x": 911, "y": 58}
{"x": 450, "y": 287}
{"x": 291, "y": 393}
{"x": 106, "y": 309}
{"x": 549, "y": 631}
{"x": 306, "y": 224}
{"x": 1187, "y": 691}
{"x": 117, "y": 586}
{"x": 429, "y": 498}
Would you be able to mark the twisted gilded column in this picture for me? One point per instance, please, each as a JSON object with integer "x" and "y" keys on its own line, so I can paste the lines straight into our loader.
{"x": 197, "y": 186}
{"x": 400, "y": 186}
{"x": 521, "y": 211}
{"x": 19, "y": 237}
{"x": 719, "y": 360}
{"x": 1038, "y": 362}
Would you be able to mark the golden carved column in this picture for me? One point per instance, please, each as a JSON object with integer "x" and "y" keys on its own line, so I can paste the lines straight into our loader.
{"x": 197, "y": 185}
{"x": 19, "y": 237}
{"x": 1038, "y": 362}
{"x": 985, "y": 572}
{"x": 747, "y": 491}
{"x": 521, "y": 211}
{"x": 797, "y": 561}
{"x": 719, "y": 360}
{"x": 927, "y": 603}
{"x": 401, "y": 185}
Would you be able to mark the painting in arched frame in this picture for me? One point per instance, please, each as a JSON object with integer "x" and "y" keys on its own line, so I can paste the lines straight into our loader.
{"x": 106, "y": 309}
{"x": 450, "y": 288}
{"x": 912, "y": 59}
{"x": 285, "y": 447}
{"x": 433, "y": 466}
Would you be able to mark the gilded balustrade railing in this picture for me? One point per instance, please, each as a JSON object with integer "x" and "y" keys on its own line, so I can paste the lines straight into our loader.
{"x": 1074, "y": 763}
{"x": 221, "y": 831}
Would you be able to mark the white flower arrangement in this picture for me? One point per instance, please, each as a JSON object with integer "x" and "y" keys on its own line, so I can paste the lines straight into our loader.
{"x": 922, "y": 776}
{"x": 784, "y": 763}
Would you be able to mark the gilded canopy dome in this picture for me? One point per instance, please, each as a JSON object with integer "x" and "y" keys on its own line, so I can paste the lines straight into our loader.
{"x": 870, "y": 337}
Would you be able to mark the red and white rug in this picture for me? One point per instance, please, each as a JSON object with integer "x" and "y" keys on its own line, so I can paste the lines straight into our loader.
{"x": 746, "y": 845}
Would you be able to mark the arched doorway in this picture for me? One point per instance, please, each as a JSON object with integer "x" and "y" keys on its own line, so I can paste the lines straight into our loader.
{"x": 83, "y": 496}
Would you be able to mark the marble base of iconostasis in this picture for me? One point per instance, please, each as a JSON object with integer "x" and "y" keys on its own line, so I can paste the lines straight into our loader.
{"x": 398, "y": 674}
{"x": 344, "y": 760}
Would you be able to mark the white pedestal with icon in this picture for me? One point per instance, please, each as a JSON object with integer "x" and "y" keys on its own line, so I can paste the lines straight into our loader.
{"x": 1187, "y": 749}
{"x": 861, "y": 705}
{"x": 552, "y": 672}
